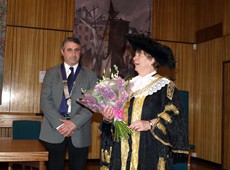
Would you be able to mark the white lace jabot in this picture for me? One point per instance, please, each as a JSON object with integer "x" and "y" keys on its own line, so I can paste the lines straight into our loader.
{"x": 140, "y": 83}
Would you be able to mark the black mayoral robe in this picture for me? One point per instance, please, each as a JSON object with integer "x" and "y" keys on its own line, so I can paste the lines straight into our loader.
{"x": 152, "y": 149}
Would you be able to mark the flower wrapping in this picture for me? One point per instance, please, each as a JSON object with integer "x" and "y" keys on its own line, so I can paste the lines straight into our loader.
{"x": 113, "y": 91}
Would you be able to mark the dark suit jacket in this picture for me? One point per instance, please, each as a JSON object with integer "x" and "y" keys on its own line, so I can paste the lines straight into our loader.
{"x": 51, "y": 96}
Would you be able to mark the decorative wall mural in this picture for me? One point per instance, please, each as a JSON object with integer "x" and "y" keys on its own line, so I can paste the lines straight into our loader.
{"x": 101, "y": 26}
{"x": 3, "y": 11}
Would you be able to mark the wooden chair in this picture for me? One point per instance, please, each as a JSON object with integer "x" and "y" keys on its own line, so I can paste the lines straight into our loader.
{"x": 182, "y": 162}
{"x": 25, "y": 130}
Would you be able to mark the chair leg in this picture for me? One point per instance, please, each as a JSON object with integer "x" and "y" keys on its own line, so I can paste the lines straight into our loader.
{"x": 9, "y": 166}
{"x": 189, "y": 158}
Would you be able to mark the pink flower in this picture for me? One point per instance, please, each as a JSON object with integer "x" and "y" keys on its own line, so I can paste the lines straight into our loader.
{"x": 119, "y": 114}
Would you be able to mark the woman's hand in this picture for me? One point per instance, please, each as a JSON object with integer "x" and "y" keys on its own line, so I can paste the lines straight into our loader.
{"x": 141, "y": 125}
{"x": 108, "y": 113}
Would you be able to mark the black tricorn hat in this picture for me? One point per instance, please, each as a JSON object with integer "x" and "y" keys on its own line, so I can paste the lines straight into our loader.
{"x": 162, "y": 53}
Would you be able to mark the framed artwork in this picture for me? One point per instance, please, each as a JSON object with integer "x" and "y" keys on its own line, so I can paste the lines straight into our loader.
{"x": 102, "y": 26}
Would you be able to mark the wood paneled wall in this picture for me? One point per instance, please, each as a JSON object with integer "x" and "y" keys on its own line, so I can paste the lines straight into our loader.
{"x": 226, "y": 108}
{"x": 44, "y": 14}
{"x": 174, "y": 20}
{"x": 209, "y": 12}
{"x": 208, "y": 111}
{"x": 178, "y": 20}
{"x": 226, "y": 56}
{"x": 226, "y": 17}
{"x": 226, "y": 115}
{"x": 35, "y": 31}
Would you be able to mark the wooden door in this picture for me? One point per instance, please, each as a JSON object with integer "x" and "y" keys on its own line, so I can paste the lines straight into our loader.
{"x": 226, "y": 116}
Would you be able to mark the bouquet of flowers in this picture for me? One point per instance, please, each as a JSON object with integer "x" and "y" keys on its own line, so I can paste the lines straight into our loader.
{"x": 112, "y": 91}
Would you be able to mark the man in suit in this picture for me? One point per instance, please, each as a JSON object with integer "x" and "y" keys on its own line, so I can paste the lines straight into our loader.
{"x": 66, "y": 123}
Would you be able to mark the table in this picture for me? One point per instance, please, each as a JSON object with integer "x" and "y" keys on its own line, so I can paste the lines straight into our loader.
{"x": 23, "y": 151}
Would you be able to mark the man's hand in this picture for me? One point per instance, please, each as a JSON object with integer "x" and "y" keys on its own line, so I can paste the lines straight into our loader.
{"x": 67, "y": 128}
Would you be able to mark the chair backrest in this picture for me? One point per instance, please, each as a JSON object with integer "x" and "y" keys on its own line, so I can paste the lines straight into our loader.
{"x": 26, "y": 129}
{"x": 181, "y": 163}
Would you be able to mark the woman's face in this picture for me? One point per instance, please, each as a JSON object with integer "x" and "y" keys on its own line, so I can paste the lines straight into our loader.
{"x": 143, "y": 64}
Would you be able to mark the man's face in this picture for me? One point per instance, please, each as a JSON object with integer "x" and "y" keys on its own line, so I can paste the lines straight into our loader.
{"x": 71, "y": 53}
